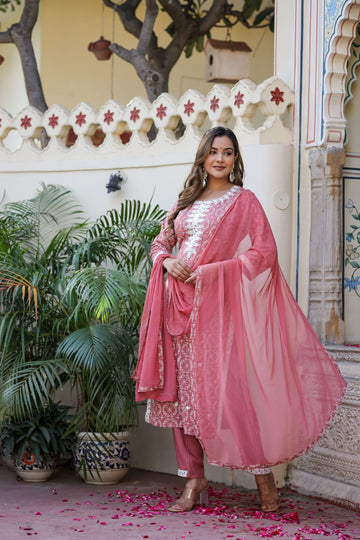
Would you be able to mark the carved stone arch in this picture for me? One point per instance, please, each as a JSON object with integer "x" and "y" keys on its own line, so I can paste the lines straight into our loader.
{"x": 326, "y": 163}
{"x": 352, "y": 71}
{"x": 336, "y": 66}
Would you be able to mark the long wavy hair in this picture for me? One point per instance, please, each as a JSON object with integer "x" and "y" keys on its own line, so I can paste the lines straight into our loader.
{"x": 194, "y": 183}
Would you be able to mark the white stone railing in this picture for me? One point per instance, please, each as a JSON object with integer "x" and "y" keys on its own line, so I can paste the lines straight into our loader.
{"x": 259, "y": 114}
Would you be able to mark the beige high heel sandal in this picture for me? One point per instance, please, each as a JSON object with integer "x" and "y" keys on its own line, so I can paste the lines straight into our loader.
{"x": 189, "y": 498}
{"x": 269, "y": 497}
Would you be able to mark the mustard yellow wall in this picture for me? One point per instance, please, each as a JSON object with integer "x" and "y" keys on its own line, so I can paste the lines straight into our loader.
{"x": 71, "y": 73}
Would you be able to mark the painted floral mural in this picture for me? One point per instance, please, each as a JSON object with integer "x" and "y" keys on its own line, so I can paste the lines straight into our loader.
{"x": 352, "y": 250}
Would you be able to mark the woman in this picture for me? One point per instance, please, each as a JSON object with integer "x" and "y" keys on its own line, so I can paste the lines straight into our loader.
{"x": 226, "y": 358}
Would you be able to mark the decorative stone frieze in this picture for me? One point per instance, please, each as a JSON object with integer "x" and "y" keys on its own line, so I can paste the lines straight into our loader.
{"x": 116, "y": 124}
{"x": 110, "y": 117}
{"x": 6, "y": 122}
{"x": 331, "y": 468}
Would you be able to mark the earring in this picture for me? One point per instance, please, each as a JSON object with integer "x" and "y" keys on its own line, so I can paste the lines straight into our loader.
{"x": 204, "y": 176}
{"x": 232, "y": 176}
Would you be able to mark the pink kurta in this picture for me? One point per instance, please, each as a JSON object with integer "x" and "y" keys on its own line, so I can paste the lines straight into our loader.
{"x": 194, "y": 227}
{"x": 233, "y": 360}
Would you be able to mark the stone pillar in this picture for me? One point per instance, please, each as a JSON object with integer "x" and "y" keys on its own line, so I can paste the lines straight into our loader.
{"x": 326, "y": 237}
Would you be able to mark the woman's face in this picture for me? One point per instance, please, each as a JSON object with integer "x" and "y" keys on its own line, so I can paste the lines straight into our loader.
{"x": 220, "y": 161}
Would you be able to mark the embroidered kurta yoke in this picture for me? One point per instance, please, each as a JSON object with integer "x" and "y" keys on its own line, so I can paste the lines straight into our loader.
{"x": 232, "y": 360}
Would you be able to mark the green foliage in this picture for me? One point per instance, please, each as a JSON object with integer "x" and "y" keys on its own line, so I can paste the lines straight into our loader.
{"x": 71, "y": 296}
{"x": 9, "y": 4}
{"x": 43, "y": 433}
{"x": 251, "y": 16}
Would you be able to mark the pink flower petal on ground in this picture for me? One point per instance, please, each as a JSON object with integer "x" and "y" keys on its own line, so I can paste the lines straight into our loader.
{"x": 76, "y": 519}
{"x": 37, "y": 513}
{"x": 64, "y": 500}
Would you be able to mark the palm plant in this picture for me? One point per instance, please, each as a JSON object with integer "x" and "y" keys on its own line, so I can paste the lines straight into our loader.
{"x": 35, "y": 247}
{"x": 71, "y": 296}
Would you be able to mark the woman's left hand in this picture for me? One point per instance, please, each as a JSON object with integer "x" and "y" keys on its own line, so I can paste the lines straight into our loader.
{"x": 191, "y": 280}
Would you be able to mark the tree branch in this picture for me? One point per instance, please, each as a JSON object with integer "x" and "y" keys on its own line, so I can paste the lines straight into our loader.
{"x": 128, "y": 18}
{"x": 175, "y": 11}
{"x": 20, "y": 34}
{"x": 146, "y": 33}
{"x": 219, "y": 9}
{"x": 125, "y": 54}
{"x": 29, "y": 15}
{"x": 5, "y": 37}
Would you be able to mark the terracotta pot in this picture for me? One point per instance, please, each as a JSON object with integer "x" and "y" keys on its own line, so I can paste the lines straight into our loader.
{"x": 101, "y": 48}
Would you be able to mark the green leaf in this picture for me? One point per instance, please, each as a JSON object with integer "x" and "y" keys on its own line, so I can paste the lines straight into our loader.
{"x": 200, "y": 44}
{"x": 170, "y": 29}
{"x": 263, "y": 15}
{"x": 189, "y": 48}
{"x": 354, "y": 264}
{"x": 250, "y": 6}
{"x": 272, "y": 23}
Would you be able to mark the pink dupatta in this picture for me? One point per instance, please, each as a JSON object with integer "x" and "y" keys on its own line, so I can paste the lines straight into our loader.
{"x": 265, "y": 388}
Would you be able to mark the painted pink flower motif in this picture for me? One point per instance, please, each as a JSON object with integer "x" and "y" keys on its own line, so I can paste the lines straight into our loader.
{"x": 277, "y": 95}
{"x": 26, "y": 122}
{"x": 109, "y": 117}
{"x": 239, "y": 100}
{"x": 214, "y": 103}
{"x": 189, "y": 107}
{"x": 161, "y": 111}
{"x": 80, "y": 119}
{"x": 53, "y": 121}
{"x": 134, "y": 114}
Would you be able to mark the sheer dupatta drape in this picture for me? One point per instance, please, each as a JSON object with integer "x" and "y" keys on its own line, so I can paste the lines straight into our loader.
{"x": 265, "y": 387}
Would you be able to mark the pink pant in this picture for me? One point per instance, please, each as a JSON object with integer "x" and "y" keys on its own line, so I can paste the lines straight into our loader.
{"x": 190, "y": 456}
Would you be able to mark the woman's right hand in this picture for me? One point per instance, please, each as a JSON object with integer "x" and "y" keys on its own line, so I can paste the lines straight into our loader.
{"x": 177, "y": 268}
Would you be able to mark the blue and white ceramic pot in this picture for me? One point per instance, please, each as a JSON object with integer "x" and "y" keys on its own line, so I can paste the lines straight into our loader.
{"x": 102, "y": 459}
{"x": 31, "y": 470}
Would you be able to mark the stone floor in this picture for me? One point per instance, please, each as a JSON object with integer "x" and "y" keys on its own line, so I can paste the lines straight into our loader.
{"x": 66, "y": 508}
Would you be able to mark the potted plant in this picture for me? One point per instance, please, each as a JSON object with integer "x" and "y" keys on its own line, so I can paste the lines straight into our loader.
{"x": 37, "y": 443}
{"x": 102, "y": 352}
{"x": 72, "y": 296}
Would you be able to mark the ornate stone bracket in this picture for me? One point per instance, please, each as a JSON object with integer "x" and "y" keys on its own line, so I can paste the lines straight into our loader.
{"x": 325, "y": 280}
